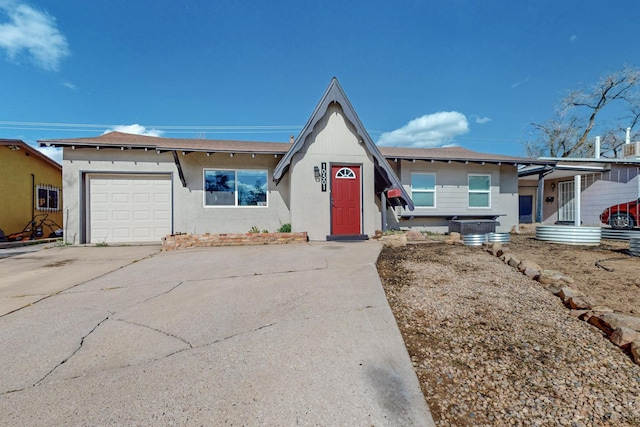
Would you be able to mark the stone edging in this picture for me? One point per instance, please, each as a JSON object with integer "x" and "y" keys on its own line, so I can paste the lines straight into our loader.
{"x": 621, "y": 329}
{"x": 182, "y": 241}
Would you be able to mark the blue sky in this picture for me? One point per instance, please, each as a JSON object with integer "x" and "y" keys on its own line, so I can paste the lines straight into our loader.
{"x": 473, "y": 73}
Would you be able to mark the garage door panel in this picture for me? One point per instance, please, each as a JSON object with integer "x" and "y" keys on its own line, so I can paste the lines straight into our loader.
{"x": 127, "y": 208}
{"x": 161, "y": 214}
{"x": 141, "y": 198}
{"x": 101, "y": 198}
{"x": 100, "y": 234}
{"x": 120, "y": 198}
{"x": 121, "y": 215}
{"x": 141, "y": 215}
{"x": 142, "y": 233}
{"x": 100, "y": 215}
{"x": 121, "y": 233}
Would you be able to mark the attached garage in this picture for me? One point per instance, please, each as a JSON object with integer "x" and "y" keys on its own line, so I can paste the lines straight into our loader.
{"x": 128, "y": 208}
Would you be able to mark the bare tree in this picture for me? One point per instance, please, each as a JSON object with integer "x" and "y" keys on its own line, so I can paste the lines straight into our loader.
{"x": 578, "y": 114}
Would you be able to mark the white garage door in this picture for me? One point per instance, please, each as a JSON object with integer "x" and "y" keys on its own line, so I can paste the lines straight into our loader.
{"x": 129, "y": 208}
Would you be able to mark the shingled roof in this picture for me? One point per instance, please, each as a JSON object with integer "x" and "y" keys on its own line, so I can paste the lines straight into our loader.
{"x": 131, "y": 141}
{"x": 454, "y": 154}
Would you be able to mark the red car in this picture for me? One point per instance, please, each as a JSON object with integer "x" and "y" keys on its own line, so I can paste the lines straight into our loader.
{"x": 623, "y": 216}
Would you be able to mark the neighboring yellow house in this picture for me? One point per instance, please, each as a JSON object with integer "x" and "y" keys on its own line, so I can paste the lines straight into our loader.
{"x": 30, "y": 192}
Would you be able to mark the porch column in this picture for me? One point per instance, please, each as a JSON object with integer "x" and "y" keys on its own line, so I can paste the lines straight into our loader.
{"x": 539, "y": 198}
{"x": 577, "y": 180}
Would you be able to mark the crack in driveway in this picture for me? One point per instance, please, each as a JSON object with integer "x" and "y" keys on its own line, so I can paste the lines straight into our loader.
{"x": 74, "y": 286}
{"x": 186, "y": 342}
{"x": 83, "y": 338}
{"x": 74, "y": 352}
{"x": 156, "y": 330}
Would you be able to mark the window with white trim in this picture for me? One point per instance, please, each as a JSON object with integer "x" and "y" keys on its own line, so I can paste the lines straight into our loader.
{"x": 235, "y": 187}
{"x": 48, "y": 198}
{"x": 479, "y": 191}
{"x": 423, "y": 189}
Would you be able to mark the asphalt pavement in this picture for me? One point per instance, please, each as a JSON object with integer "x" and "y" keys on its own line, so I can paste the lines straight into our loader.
{"x": 240, "y": 336}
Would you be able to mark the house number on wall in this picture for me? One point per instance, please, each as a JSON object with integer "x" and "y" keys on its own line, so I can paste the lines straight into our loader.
{"x": 323, "y": 176}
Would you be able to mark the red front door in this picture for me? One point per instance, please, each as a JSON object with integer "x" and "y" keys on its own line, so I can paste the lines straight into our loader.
{"x": 345, "y": 200}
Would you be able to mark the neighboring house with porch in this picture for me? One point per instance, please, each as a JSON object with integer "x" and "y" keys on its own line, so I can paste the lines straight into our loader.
{"x": 30, "y": 186}
{"x": 332, "y": 181}
{"x": 570, "y": 190}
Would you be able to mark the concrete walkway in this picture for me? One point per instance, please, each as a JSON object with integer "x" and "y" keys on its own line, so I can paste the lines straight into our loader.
{"x": 243, "y": 336}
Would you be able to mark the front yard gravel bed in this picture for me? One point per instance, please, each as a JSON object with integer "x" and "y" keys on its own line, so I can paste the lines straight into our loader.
{"x": 492, "y": 347}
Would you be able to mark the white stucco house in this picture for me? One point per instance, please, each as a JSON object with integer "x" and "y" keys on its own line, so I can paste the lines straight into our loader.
{"x": 331, "y": 181}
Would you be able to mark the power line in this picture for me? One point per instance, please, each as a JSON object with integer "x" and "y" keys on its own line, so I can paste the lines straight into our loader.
{"x": 194, "y": 131}
{"x": 53, "y": 126}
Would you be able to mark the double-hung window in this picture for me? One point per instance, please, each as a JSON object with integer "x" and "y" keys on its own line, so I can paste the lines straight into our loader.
{"x": 479, "y": 191}
{"x": 235, "y": 187}
{"x": 423, "y": 189}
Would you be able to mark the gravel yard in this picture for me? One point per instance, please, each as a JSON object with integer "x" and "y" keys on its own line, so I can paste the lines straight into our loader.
{"x": 492, "y": 347}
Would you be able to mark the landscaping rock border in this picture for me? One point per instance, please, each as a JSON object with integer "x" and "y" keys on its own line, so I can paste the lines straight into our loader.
{"x": 621, "y": 329}
{"x": 183, "y": 241}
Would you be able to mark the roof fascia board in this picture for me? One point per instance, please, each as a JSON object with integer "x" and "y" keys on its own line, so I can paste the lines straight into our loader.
{"x": 35, "y": 152}
{"x": 466, "y": 160}
{"x": 564, "y": 168}
{"x": 103, "y": 145}
{"x": 297, "y": 144}
{"x": 592, "y": 160}
{"x": 581, "y": 168}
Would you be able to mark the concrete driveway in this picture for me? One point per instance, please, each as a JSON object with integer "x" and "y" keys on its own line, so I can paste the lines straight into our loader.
{"x": 243, "y": 336}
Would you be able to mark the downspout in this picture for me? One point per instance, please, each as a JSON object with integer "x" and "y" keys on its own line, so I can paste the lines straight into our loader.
{"x": 33, "y": 195}
{"x": 176, "y": 160}
{"x": 33, "y": 205}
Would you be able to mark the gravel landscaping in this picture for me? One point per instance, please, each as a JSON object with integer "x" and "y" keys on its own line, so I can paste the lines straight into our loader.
{"x": 492, "y": 347}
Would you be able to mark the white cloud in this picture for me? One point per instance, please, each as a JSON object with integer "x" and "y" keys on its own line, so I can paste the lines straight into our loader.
{"x": 28, "y": 31}
{"x": 482, "y": 120}
{"x": 69, "y": 85}
{"x": 520, "y": 83}
{"x": 573, "y": 38}
{"x": 51, "y": 152}
{"x": 431, "y": 130}
{"x": 135, "y": 129}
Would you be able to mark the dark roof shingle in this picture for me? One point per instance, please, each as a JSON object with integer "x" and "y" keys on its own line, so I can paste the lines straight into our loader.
{"x": 448, "y": 153}
{"x": 119, "y": 139}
